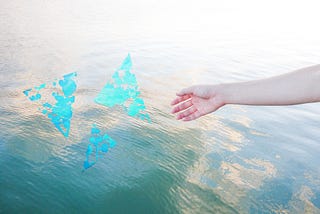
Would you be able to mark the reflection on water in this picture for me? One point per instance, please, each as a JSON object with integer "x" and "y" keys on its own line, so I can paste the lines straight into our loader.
{"x": 240, "y": 159}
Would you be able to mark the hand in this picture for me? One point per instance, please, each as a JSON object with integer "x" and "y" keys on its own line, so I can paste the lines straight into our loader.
{"x": 197, "y": 101}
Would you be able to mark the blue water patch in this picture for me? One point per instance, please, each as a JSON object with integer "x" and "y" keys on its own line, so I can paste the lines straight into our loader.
{"x": 274, "y": 194}
{"x": 215, "y": 160}
{"x": 60, "y": 113}
{"x": 316, "y": 199}
{"x": 208, "y": 181}
{"x": 98, "y": 144}
{"x": 123, "y": 90}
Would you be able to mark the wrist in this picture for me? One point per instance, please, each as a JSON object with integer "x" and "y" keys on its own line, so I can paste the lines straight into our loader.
{"x": 224, "y": 93}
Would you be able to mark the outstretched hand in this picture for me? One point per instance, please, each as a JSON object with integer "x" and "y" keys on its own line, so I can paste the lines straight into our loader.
{"x": 196, "y": 101}
{"x": 297, "y": 87}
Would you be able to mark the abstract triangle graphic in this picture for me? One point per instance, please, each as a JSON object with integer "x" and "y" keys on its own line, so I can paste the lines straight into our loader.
{"x": 123, "y": 90}
{"x": 59, "y": 111}
{"x": 98, "y": 143}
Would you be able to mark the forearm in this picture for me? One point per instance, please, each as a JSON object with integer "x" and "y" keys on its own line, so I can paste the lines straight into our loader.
{"x": 301, "y": 86}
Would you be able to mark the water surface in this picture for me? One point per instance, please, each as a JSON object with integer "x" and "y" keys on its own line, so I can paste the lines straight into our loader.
{"x": 240, "y": 159}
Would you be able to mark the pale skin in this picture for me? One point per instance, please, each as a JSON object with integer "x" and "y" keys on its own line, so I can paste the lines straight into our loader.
{"x": 297, "y": 87}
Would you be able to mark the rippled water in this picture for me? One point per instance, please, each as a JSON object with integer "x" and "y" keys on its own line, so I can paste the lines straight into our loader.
{"x": 238, "y": 160}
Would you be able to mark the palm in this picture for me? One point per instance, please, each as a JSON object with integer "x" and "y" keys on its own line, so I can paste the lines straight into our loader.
{"x": 190, "y": 106}
{"x": 203, "y": 105}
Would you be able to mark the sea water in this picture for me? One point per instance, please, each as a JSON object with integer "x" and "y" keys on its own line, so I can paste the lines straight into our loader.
{"x": 240, "y": 159}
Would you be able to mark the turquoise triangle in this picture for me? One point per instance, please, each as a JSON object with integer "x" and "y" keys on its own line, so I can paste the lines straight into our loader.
{"x": 60, "y": 112}
{"x": 123, "y": 90}
{"x": 98, "y": 144}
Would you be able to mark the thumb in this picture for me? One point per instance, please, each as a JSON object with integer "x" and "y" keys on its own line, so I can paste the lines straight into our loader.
{"x": 189, "y": 90}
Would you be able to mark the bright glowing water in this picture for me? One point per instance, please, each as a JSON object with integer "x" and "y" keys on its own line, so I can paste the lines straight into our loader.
{"x": 238, "y": 160}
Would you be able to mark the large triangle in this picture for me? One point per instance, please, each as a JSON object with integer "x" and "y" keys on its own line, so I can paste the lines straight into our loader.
{"x": 59, "y": 109}
{"x": 123, "y": 90}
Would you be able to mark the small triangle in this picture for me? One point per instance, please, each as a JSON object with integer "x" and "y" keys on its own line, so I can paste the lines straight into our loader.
{"x": 123, "y": 90}
{"x": 59, "y": 110}
{"x": 98, "y": 143}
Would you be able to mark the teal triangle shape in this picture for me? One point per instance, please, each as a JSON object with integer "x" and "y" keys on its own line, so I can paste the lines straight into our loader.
{"x": 98, "y": 144}
{"x": 123, "y": 90}
{"x": 59, "y": 112}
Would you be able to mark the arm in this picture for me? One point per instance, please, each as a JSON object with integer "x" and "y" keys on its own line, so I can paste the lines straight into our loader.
{"x": 301, "y": 86}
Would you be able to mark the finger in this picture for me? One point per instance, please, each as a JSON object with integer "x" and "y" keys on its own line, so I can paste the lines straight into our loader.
{"x": 182, "y": 107}
{"x": 193, "y": 116}
{"x": 186, "y": 113}
{"x": 180, "y": 99}
{"x": 186, "y": 91}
